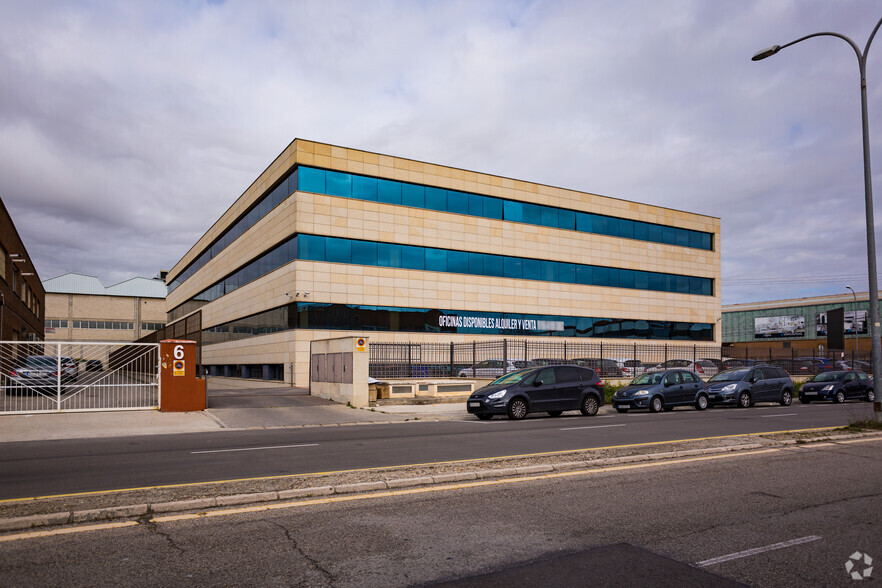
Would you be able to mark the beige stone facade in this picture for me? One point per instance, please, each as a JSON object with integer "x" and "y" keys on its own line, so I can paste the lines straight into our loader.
{"x": 337, "y": 283}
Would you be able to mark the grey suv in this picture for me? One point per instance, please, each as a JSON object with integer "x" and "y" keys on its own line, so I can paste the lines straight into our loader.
{"x": 746, "y": 386}
{"x": 662, "y": 391}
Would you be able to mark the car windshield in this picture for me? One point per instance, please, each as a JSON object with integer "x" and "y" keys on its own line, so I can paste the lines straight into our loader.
{"x": 729, "y": 376}
{"x": 511, "y": 377}
{"x": 648, "y": 378}
{"x": 825, "y": 377}
{"x": 40, "y": 361}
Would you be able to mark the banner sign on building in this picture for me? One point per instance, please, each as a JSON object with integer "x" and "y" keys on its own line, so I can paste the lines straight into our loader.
{"x": 850, "y": 323}
{"x": 792, "y": 325}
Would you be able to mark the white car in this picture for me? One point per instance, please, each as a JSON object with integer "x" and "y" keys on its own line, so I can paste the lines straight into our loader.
{"x": 493, "y": 368}
{"x": 631, "y": 368}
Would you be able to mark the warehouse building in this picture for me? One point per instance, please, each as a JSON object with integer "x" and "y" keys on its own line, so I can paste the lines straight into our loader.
{"x": 81, "y": 308}
{"x": 798, "y": 325}
{"x": 331, "y": 242}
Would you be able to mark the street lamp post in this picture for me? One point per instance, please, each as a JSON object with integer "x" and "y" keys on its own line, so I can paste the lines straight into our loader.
{"x": 854, "y": 322}
{"x": 868, "y": 188}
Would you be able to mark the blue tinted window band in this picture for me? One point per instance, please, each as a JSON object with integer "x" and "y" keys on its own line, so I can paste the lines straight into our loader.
{"x": 312, "y": 315}
{"x": 308, "y": 179}
{"x": 376, "y": 254}
{"x": 348, "y": 185}
{"x": 284, "y": 188}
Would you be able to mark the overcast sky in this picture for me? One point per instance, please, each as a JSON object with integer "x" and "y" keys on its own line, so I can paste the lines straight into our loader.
{"x": 128, "y": 128}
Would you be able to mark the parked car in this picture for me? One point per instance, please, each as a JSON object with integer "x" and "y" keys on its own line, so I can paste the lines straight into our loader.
{"x": 861, "y": 366}
{"x": 70, "y": 370}
{"x": 725, "y": 363}
{"x": 746, "y": 386}
{"x": 493, "y": 368}
{"x": 662, "y": 390}
{"x": 838, "y": 386}
{"x": 551, "y": 389}
{"x": 631, "y": 368}
{"x": 608, "y": 368}
{"x": 36, "y": 372}
{"x": 702, "y": 367}
{"x": 819, "y": 364}
{"x": 94, "y": 365}
{"x": 548, "y": 361}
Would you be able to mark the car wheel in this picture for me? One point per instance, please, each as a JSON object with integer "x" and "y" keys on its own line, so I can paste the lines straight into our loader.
{"x": 621, "y": 409}
{"x": 590, "y": 406}
{"x": 871, "y": 396}
{"x": 744, "y": 400}
{"x": 786, "y": 398}
{"x": 839, "y": 398}
{"x": 701, "y": 402}
{"x": 484, "y": 417}
{"x": 517, "y": 409}
{"x": 555, "y": 413}
{"x": 656, "y": 404}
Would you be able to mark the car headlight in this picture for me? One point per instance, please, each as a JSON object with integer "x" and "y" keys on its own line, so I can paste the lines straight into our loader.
{"x": 729, "y": 388}
{"x": 641, "y": 393}
{"x": 827, "y": 388}
{"x": 497, "y": 395}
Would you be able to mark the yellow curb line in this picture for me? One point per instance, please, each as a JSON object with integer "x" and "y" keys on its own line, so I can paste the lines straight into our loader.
{"x": 67, "y": 531}
{"x": 411, "y": 465}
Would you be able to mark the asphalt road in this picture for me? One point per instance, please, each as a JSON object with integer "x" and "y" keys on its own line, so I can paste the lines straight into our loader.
{"x": 42, "y": 468}
{"x": 786, "y": 517}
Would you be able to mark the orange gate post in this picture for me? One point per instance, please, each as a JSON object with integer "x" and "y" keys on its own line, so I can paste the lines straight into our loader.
{"x": 180, "y": 389}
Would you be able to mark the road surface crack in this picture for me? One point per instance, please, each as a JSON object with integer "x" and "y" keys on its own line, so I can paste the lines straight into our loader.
{"x": 154, "y": 528}
{"x": 315, "y": 563}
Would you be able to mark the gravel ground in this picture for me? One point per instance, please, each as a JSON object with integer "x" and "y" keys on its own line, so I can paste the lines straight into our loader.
{"x": 561, "y": 460}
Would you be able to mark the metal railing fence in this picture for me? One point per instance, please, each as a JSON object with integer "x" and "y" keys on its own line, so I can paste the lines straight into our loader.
{"x": 610, "y": 360}
{"x": 434, "y": 360}
{"x": 78, "y": 376}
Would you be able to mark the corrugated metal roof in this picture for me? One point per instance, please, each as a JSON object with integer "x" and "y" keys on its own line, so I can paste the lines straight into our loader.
{"x": 73, "y": 283}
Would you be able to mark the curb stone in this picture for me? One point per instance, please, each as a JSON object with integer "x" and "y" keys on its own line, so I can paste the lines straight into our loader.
{"x": 141, "y": 510}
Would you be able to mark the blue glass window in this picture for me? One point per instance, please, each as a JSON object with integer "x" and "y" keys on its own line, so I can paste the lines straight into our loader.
{"x": 458, "y": 262}
{"x": 493, "y": 207}
{"x": 457, "y": 202}
{"x": 364, "y": 188}
{"x": 338, "y": 250}
{"x": 338, "y": 184}
{"x": 311, "y": 180}
{"x": 364, "y": 253}
{"x": 436, "y": 260}
{"x": 513, "y": 211}
{"x": 436, "y": 199}
{"x": 413, "y": 257}
{"x": 388, "y": 255}
{"x": 413, "y": 195}
{"x": 389, "y": 192}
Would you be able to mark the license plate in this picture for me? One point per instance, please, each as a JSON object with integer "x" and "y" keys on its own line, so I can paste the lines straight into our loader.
{"x": 811, "y": 393}
{"x": 475, "y": 404}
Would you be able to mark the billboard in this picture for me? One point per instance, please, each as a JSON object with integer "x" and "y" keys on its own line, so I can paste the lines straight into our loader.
{"x": 850, "y": 323}
{"x": 791, "y": 325}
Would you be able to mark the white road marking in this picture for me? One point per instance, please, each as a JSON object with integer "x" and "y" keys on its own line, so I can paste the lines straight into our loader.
{"x": 253, "y": 448}
{"x": 765, "y": 416}
{"x": 591, "y": 427}
{"x": 757, "y": 550}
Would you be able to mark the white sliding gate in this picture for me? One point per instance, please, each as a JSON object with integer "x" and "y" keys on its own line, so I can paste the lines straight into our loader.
{"x": 87, "y": 376}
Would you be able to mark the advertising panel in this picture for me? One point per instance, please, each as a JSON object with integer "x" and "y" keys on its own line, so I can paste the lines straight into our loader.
{"x": 791, "y": 325}
{"x": 850, "y": 323}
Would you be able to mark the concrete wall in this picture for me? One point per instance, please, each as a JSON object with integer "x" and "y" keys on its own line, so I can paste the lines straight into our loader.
{"x": 339, "y": 370}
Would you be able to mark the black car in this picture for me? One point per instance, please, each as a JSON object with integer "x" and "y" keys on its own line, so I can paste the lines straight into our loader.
{"x": 662, "y": 390}
{"x": 745, "y": 386}
{"x": 838, "y": 386}
{"x": 551, "y": 389}
{"x": 94, "y": 365}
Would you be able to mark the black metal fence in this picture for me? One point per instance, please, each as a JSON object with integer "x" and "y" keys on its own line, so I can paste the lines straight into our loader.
{"x": 434, "y": 360}
{"x": 610, "y": 360}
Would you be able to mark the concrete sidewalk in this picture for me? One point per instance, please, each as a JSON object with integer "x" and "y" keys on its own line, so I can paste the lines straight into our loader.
{"x": 228, "y": 410}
